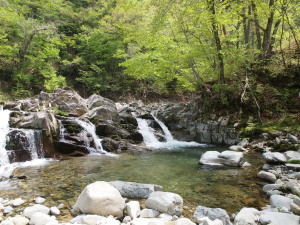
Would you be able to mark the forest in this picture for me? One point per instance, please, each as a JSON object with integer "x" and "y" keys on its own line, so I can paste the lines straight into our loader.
{"x": 230, "y": 53}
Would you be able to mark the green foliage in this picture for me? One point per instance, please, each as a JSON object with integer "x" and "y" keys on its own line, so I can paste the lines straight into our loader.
{"x": 294, "y": 161}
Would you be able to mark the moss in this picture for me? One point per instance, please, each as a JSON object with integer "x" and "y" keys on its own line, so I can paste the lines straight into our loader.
{"x": 294, "y": 161}
{"x": 285, "y": 147}
{"x": 59, "y": 112}
{"x": 72, "y": 129}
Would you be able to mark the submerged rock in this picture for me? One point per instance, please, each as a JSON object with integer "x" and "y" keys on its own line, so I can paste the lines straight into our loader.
{"x": 100, "y": 198}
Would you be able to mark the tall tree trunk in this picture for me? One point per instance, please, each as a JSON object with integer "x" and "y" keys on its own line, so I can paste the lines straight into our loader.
{"x": 211, "y": 4}
{"x": 268, "y": 31}
{"x": 257, "y": 26}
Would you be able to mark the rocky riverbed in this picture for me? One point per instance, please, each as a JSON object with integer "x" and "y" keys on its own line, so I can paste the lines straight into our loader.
{"x": 64, "y": 122}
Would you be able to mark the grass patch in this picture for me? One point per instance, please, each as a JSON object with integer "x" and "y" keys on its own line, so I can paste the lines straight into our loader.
{"x": 287, "y": 123}
{"x": 294, "y": 161}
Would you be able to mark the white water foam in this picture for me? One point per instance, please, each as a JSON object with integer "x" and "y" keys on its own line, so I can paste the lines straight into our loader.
{"x": 152, "y": 142}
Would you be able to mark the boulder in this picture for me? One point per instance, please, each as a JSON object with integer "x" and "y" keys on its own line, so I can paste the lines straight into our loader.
{"x": 278, "y": 218}
{"x": 183, "y": 221}
{"x": 247, "y": 216}
{"x": 133, "y": 209}
{"x": 295, "y": 209}
{"x": 274, "y": 157}
{"x": 211, "y": 158}
{"x": 150, "y": 221}
{"x": 228, "y": 158}
{"x": 20, "y": 220}
{"x": 212, "y": 214}
{"x": 267, "y": 176}
{"x": 98, "y": 220}
{"x": 237, "y": 148}
{"x": 96, "y": 100}
{"x": 109, "y": 129}
{"x": 100, "y": 198}
{"x": 243, "y": 143}
{"x": 29, "y": 211}
{"x": 69, "y": 101}
{"x": 104, "y": 113}
{"x": 39, "y": 218}
{"x": 271, "y": 187}
{"x": 279, "y": 201}
{"x": 231, "y": 158}
{"x": 207, "y": 221}
{"x": 135, "y": 190}
{"x": 165, "y": 202}
{"x": 292, "y": 155}
{"x": 293, "y": 139}
{"x": 149, "y": 213}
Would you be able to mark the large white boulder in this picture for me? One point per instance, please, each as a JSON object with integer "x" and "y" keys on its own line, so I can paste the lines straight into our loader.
{"x": 214, "y": 158}
{"x": 247, "y": 216}
{"x": 100, "y": 198}
{"x": 231, "y": 158}
{"x": 267, "y": 176}
{"x": 211, "y": 158}
{"x": 277, "y": 218}
{"x": 165, "y": 202}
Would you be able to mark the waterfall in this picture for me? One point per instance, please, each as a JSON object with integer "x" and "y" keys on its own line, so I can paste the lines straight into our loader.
{"x": 4, "y": 129}
{"x": 90, "y": 130}
{"x": 151, "y": 141}
{"x": 165, "y": 129}
{"x": 34, "y": 142}
{"x": 62, "y": 130}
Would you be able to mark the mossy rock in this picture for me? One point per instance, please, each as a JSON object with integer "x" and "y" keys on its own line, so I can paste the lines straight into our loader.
{"x": 285, "y": 147}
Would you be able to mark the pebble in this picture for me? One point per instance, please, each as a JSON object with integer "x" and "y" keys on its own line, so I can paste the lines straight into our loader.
{"x": 39, "y": 200}
{"x": 17, "y": 202}
{"x": 8, "y": 209}
{"x": 54, "y": 211}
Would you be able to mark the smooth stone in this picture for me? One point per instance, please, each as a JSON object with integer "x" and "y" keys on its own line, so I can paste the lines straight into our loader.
{"x": 133, "y": 209}
{"x": 246, "y": 164}
{"x": 149, "y": 213}
{"x": 39, "y": 200}
{"x": 135, "y": 190}
{"x": 279, "y": 201}
{"x": 294, "y": 167}
{"x": 149, "y": 221}
{"x": 1, "y": 207}
{"x": 8, "y": 209}
{"x": 29, "y": 211}
{"x": 231, "y": 158}
{"x": 211, "y": 158}
{"x": 274, "y": 192}
{"x": 92, "y": 219}
{"x": 243, "y": 143}
{"x": 165, "y": 202}
{"x": 267, "y": 176}
{"x": 39, "y": 218}
{"x": 184, "y": 221}
{"x": 247, "y": 216}
{"x": 7, "y": 222}
{"x": 212, "y": 214}
{"x": 20, "y": 220}
{"x": 271, "y": 187}
{"x": 236, "y": 148}
{"x": 293, "y": 139}
{"x": 207, "y": 221}
{"x": 292, "y": 155}
{"x": 295, "y": 208}
{"x": 17, "y": 202}
{"x": 275, "y": 157}
{"x": 277, "y": 218}
{"x": 127, "y": 219}
{"x": 100, "y": 198}
{"x": 296, "y": 200}
{"x": 54, "y": 211}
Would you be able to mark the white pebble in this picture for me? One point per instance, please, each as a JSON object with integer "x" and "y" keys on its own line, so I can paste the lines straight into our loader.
{"x": 39, "y": 200}
{"x": 54, "y": 211}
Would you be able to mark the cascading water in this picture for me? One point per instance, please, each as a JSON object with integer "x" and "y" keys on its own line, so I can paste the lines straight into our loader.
{"x": 35, "y": 146}
{"x": 90, "y": 130}
{"x": 4, "y": 129}
{"x": 62, "y": 130}
{"x": 152, "y": 142}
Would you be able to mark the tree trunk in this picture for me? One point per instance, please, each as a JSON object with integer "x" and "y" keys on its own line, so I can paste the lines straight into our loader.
{"x": 268, "y": 31}
{"x": 211, "y": 4}
{"x": 257, "y": 26}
